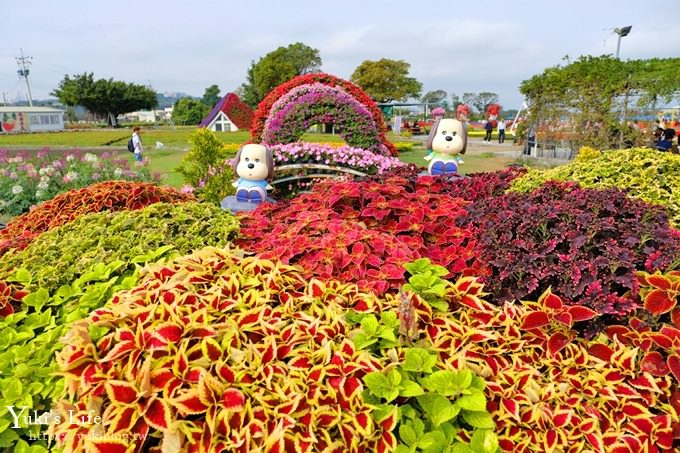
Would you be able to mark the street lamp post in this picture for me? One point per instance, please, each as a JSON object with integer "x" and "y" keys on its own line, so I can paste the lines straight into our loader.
{"x": 623, "y": 31}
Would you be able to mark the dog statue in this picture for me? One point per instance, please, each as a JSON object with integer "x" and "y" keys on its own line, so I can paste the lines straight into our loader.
{"x": 254, "y": 166}
{"x": 447, "y": 142}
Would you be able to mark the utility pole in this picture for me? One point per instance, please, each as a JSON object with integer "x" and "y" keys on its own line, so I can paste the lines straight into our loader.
{"x": 24, "y": 63}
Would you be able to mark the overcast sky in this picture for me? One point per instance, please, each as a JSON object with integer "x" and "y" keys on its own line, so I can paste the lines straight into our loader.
{"x": 457, "y": 46}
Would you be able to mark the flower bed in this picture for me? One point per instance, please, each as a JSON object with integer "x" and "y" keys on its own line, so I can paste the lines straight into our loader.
{"x": 28, "y": 179}
{"x": 334, "y": 154}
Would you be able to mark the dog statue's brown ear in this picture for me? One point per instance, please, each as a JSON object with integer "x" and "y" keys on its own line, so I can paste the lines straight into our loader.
{"x": 433, "y": 133}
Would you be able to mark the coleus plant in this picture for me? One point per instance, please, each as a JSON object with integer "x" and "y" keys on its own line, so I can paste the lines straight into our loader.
{"x": 586, "y": 244}
{"x": 64, "y": 208}
{"x": 362, "y": 232}
{"x": 644, "y": 173}
{"x": 214, "y": 352}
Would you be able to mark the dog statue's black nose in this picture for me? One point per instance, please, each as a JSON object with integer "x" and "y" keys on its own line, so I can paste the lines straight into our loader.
{"x": 449, "y": 138}
{"x": 251, "y": 165}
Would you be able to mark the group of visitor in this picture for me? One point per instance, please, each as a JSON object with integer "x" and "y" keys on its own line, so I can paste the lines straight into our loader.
{"x": 664, "y": 140}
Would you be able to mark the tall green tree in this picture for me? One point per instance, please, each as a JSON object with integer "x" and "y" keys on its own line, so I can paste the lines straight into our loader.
{"x": 480, "y": 100}
{"x": 596, "y": 95}
{"x": 106, "y": 98}
{"x": 277, "y": 67}
{"x": 386, "y": 80}
{"x": 189, "y": 111}
{"x": 211, "y": 95}
{"x": 435, "y": 97}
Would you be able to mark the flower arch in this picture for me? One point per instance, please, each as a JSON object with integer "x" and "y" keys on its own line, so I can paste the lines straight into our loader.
{"x": 316, "y": 103}
{"x": 264, "y": 108}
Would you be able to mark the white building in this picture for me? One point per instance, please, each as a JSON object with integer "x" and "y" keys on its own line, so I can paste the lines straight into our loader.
{"x": 30, "y": 119}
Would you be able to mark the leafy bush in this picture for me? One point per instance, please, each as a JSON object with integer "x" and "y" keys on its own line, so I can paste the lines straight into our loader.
{"x": 100, "y": 197}
{"x": 362, "y": 232}
{"x": 75, "y": 269}
{"x": 645, "y": 173}
{"x": 585, "y": 244}
{"x": 205, "y": 168}
{"x": 62, "y": 254}
{"x": 27, "y": 178}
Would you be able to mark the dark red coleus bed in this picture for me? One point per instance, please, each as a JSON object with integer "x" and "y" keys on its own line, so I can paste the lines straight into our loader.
{"x": 585, "y": 244}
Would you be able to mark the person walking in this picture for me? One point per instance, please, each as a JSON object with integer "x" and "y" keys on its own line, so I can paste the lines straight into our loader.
{"x": 501, "y": 130}
{"x": 137, "y": 143}
{"x": 488, "y": 127}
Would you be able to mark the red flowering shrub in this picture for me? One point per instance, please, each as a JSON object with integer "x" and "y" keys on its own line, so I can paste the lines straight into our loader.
{"x": 263, "y": 109}
{"x": 105, "y": 196}
{"x": 362, "y": 231}
{"x": 237, "y": 111}
{"x": 584, "y": 244}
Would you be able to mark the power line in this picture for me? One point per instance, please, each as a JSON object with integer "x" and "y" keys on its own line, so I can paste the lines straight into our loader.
{"x": 24, "y": 62}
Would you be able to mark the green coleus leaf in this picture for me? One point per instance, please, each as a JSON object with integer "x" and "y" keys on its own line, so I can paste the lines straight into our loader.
{"x": 438, "y": 408}
{"x": 22, "y": 276}
{"x": 419, "y": 360}
{"x": 370, "y": 325}
{"x": 484, "y": 441}
{"x": 362, "y": 340}
{"x": 432, "y": 442}
{"x": 477, "y": 419}
{"x": 383, "y": 385}
{"x": 37, "y": 299}
{"x": 460, "y": 447}
{"x": 418, "y": 266}
{"x": 409, "y": 388}
{"x": 389, "y": 319}
{"x": 475, "y": 401}
{"x": 408, "y": 435}
{"x": 448, "y": 383}
{"x": 354, "y": 317}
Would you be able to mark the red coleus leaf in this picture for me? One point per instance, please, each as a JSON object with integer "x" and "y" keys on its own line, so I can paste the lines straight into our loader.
{"x": 659, "y": 302}
{"x": 565, "y": 318}
{"x": 108, "y": 445}
{"x": 673, "y": 363}
{"x": 581, "y": 313}
{"x": 158, "y": 415}
{"x": 557, "y": 342}
{"x": 601, "y": 351}
{"x": 121, "y": 392}
{"x": 535, "y": 320}
{"x": 658, "y": 281}
{"x": 675, "y": 317}
{"x": 654, "y": 363}
{"x": 550, "y": 300}
{"x": 233, "y": 399}
{"x": 124, "y": 419}
{"x": 168, "y": 332}
{"x": 189, "y": 403}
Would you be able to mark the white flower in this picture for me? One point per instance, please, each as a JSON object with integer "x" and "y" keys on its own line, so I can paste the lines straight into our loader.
{"x": 70, "y": 157}
{"x": 72, "y": 175}
{"x": 43, "y": 185}
{"x": 117, "y": 172}
{"x": 3, "y": 203}
{"x": 39, "y": 194}
{"x": 89, "y": 157}
{"x": 16, "y": 190}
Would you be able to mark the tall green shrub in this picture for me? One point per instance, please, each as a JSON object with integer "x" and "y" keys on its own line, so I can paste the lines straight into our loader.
{"x": 205, "y": 167}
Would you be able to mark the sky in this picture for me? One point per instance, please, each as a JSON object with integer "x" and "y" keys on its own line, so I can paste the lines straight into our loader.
{"x": 456, "y": 46}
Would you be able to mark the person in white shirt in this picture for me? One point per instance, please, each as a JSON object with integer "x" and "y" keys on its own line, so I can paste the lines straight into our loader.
{"x": 501, "y": 130}
{"x": 137, "y": 142}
